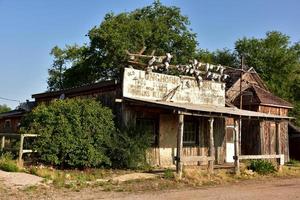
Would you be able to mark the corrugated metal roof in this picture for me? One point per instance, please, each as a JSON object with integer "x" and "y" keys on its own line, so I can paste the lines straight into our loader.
{"x": 209, "y": 109}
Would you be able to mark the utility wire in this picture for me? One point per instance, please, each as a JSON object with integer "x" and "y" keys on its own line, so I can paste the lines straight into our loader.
{"x": 6, "y": 99}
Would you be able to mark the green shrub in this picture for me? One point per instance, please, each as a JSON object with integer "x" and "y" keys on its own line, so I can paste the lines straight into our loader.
{"x": 262, "y": 166}
{"x": 73, "y": 133}
{"x": 128, "y": 148}
{"x": 168, "y": 174}
{"x": 294, "y": 162}
{"x": 8, "y": 164}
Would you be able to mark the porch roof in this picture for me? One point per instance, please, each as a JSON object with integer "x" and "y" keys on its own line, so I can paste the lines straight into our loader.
{"x": 208, "y": 110}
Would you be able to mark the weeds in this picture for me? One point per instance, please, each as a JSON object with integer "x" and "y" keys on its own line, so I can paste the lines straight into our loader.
{"x": 168, "y": 174}
{"x": 262, "y": 167}
{"x": 8, "y": 164}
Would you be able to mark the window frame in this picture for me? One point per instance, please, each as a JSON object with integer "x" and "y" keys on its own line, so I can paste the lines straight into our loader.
{"x": 155, "y": 121}
{"x": 195, "y": 123}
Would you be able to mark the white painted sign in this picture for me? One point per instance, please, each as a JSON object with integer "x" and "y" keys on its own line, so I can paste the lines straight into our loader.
{"x": 184, "y": 89}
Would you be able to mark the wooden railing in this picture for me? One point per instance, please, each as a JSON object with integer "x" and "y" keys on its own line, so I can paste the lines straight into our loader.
{"x": 256, "y": 157}
{"x": 18, "y": 136}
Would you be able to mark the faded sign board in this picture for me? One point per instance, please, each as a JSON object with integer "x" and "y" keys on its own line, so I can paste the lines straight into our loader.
{"x": 180, "y": 89}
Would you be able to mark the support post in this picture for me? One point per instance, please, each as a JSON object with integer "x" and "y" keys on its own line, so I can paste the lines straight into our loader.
{"x": 21, "y": 148}
{"x": 278, "y": 145}
{"x": 179, "y": 145}
{"x": 211, "y": 144}
{"x": 236, "y": 147}
{"x": 2, "y": 143}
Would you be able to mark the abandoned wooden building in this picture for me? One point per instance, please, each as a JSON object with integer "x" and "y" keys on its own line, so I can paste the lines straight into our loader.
{"x": 189, "y": 119}
{"x": 256, "y": 97}
{"x": 10, "y": 121}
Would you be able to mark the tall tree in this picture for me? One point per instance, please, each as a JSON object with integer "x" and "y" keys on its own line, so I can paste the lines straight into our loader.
{"x": 277, "y": 60}
{"x": 224, "y": 57}
{"x": 157, "y": 27}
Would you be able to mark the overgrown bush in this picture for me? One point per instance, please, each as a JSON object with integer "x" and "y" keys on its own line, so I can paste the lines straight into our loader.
{"x": 73, "y": 133}
{"x": 262, "y": 166}
{"x": 8, "y": 164}
{"x": 128, "y": 148}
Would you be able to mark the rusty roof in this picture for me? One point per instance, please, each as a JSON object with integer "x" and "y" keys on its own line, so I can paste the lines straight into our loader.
{"x": 209, "y": 110}
{"x": 267, "y": 98}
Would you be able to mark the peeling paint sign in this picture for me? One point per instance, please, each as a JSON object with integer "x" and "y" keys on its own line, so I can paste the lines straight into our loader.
{"x": 183, "y": 89}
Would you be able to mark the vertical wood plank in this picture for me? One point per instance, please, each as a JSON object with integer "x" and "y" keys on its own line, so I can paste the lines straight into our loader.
{"x": 211, "y": 144}
{"x": 236, "y": 146}
{"x": 278, "y": 144}
{"x": 179, "y": 144}
{"x": 21, "y": 148}
{"x": 262, "y": 137}
{"x": 2, "y": 143}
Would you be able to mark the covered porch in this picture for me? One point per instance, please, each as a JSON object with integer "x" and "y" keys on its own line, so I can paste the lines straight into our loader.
{"x": 211, "y": 121}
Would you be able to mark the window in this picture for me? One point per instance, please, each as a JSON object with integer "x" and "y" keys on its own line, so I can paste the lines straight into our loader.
{"x": 190, "y": 133}
{"x": 7, "y": 124}
{"x": 150, "y": 126}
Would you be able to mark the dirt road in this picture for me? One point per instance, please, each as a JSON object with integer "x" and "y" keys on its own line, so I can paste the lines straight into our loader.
{"x": 254, "y": 190}
{"x": 272, "y": 189}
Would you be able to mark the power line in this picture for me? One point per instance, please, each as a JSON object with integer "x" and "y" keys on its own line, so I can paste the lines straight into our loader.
{"x": 7, "y": 99}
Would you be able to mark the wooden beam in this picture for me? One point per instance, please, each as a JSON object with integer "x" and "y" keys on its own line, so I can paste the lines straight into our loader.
{"x": 21, "y": 148}
{"x": 262, "y": 137}
{"x": 211, "y": 144}
{"x": 236, "y": 147}
{"x": 2, "y": 143}
{"x": 179, "y": 145}
{"x": 278, "y": 145}
{"x": 250, "y": 157}
{"x": 188, "y": 159}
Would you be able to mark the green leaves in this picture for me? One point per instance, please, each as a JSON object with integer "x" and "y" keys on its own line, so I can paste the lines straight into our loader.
{"x": 157, "y": 27}
{"x": 74, "y": 133}
{"x": 4, "y": 108}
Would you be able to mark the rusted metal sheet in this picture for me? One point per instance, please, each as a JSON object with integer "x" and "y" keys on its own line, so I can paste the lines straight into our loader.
{"x": 184, "y": 89}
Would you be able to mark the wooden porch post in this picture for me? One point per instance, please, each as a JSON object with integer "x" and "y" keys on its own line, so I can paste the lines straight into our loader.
{"x": 236, "y": 147}
{"x": 2, "y": 143}
{"x": 179, "y": 145}
{"x": 278, "y": 144}
{"x": 211, "y": 144}
{"x": 21, "y": 148}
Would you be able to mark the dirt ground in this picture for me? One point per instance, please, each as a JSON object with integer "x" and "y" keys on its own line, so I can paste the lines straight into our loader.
{"x": 274, "y": 188}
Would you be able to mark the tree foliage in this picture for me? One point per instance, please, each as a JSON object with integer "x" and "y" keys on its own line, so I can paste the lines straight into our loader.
{"x": 157, "y": 27}
{"x": 72, "y": 133}
{"x": 277, "y": 61}
{"x": 4, "y": 108}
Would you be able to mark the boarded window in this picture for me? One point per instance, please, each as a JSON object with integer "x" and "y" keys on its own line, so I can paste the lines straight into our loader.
{"x": 150, "y": 126}
{"x": 190, "y": 133}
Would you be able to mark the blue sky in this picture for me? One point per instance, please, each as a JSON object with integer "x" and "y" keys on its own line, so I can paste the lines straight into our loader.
{"x": 30, "y": 28}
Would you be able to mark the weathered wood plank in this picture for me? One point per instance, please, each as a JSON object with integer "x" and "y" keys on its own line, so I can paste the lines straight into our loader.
{"x": 236, "y": 147}
{"x": 249, "y": 157}
{"x": 211, "y": 144}
{"x": 18, "y": 135}
{"x": 179, "y": 144}
{"x": 188, "y": 159}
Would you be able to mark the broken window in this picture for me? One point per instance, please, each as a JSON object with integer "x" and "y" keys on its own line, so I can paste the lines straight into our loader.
{"x": 150, "y": 126}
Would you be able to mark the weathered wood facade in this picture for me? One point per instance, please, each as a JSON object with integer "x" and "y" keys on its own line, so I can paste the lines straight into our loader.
{"x": 256, "y": 97}
{"x": 160, "y": 102}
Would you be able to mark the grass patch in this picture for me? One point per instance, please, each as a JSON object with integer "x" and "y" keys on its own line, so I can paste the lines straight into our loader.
{"x": 74, "y": 178}
{"x": 169, "y": 174}
{"x": 262, "y": 167}
{"x": 294, "y": 162}
{"x": 8, "y": 164}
